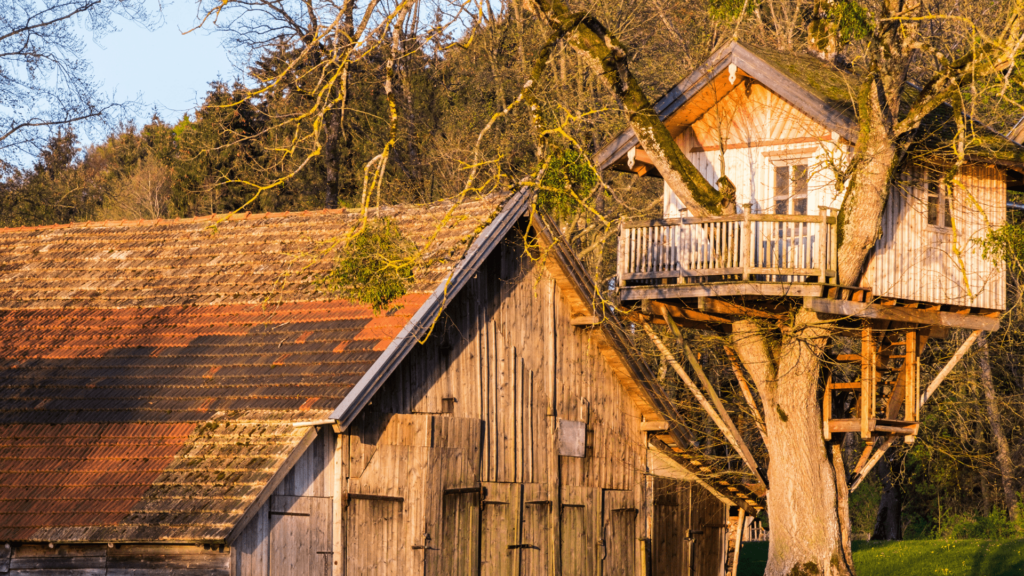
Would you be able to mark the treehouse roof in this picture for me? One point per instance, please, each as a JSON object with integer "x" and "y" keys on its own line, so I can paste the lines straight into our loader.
{"x": 150, "y": 371}
{"x": 826, "y": 93}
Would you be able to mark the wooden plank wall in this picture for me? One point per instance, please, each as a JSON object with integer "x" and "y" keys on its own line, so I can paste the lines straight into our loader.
{"x": 123, "y": 560}
{"x": 292, "y": 532}
{"x": 915, "y": 261}
{"x": 479, "y": 405}
{"x": 752, "y": 129}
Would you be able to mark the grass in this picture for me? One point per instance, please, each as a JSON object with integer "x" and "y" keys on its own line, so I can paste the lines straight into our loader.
{"x": 916, "y": 558}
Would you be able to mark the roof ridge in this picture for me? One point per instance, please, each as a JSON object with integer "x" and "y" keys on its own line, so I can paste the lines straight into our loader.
{"x": 232, "y": 216}
{"x": 223, "y": 216}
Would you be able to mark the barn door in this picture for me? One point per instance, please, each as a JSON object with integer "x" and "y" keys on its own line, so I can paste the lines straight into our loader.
{"x": 500, "y": 519}
{"x": 300, "y": 536}
{"x": 460, "y": 542}
{"x": 374, "y": 536}
{"x": 580, "y": 530}
{"x": 671, "y": 543}
{"x": 620, "y": 542}
{"x": 535, "y": 554}
{"x": 708, "y": 528}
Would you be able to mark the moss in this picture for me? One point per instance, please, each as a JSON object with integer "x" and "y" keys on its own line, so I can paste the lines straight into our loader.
{"x": 374, "y": 267}
{"x": 782, "y": 414}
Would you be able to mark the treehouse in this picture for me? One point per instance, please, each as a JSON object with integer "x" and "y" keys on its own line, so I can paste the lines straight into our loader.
{"x": 782, "y": 127}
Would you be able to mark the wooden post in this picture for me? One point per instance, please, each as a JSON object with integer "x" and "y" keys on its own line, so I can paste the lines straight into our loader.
{"x": 747, "y": 395}
{"x": 826, "y": 408}
{"x": 867, "y": 388}
{"x": 739, "y": 541}
{"x": 910, "y": 375}
{"x": 822, "y": 242}
{"x": 620, "y": 262}
{"x": 746, "y": 242}
{"x": 833, "y": 239}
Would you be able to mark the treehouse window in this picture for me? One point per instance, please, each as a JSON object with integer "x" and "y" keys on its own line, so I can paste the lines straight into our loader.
{"x": 791, "y": 189}
{"x": 939, "y": 212}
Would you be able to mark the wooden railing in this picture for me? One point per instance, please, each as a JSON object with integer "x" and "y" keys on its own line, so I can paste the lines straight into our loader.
{"x": 741, "y": 247}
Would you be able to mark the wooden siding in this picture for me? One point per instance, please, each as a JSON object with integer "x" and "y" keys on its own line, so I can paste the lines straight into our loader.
{"x": 122, "y": 560}
{"x": 754, "y": 130}
{"x": 916, "y": 261}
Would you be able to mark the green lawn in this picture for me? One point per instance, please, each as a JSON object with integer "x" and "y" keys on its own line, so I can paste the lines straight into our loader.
{"x": 916, "y": 558}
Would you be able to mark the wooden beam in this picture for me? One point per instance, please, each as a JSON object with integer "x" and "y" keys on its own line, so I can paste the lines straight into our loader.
{"x": 780, "y": 289}
{"x": 949, "y": 366}
{"x": 731, "y": 308}
{"x": 584, "y": 321}
{"x": 654, "y": 426}
{"x": 879, "y": 452}
{"x": 747, "y": 395}
{"x": 701, "y": 399}
{"x": 745, "y": 452}
{"x": 864, "y": 457}
{"x": 901, "y": 314}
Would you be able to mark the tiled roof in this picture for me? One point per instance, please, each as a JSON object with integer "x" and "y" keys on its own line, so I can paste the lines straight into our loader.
{"x": 150, "y": 372}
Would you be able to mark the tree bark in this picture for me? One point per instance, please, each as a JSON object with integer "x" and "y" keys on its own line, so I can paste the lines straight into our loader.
{"x": 996, "y": 424}
{"x": 608, "y": 58}
{"x": 807, "y": 500}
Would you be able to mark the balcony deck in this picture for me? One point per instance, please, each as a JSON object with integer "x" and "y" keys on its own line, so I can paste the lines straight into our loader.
{"x": 768, "y": 255}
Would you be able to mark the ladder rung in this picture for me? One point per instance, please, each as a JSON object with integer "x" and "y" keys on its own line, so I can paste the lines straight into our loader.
{"x": 846, "y": 385}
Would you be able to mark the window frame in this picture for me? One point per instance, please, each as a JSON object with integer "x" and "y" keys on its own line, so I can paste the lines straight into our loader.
{"x": 933, "y": 179}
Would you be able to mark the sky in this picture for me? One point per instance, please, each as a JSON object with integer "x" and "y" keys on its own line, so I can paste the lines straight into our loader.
{"x": 162, "y": 67}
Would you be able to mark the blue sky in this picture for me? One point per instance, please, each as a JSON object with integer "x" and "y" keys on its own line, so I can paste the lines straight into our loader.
{"x": 163, "y": 67}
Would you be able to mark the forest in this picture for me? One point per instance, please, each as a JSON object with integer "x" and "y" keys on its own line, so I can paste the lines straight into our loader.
{"x": 352, "y": 105}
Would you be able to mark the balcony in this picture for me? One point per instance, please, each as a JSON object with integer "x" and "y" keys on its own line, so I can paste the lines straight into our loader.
{"x": 738, "y": 255}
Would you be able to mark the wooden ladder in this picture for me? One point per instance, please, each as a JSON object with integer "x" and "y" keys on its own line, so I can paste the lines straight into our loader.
{"x": 888, "y": 391}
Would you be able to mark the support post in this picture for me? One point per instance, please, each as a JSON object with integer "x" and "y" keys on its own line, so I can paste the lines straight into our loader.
{"x": 739, "y": 542}
{"x": 746, "y": 243}
{"x": 910, "y": 378}
{"x": 867, "y": 388}
{"x": 833, "y": 243}
{"x": 822, "y": 241}
{"x": 747, "y": 395}
{"x": 826, "y": 409}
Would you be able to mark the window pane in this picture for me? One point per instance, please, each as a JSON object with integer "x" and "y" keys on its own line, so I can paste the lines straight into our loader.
{"x": 933, "y": 203}
{"x": 800, "y": 176}
{"x": 782, "y": 189}
{"x": 800, "y": 205}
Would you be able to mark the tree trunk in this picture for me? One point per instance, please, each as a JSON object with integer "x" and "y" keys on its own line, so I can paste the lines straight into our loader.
{"x": 995, "y": 422}
{"x": 810, "y": 532}
{"x": 889, "y": 519}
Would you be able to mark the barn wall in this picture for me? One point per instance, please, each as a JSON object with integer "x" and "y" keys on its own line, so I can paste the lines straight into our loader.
{"x": 915, "y": 261}
{"x": 123, "y": 560}
{"x": 454, "y": 469}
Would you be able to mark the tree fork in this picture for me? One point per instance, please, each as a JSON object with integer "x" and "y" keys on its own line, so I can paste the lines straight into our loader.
{"x": 609, "y": 60}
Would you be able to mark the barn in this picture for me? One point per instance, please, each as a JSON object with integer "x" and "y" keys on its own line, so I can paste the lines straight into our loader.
{"x": 187, "y": 397}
